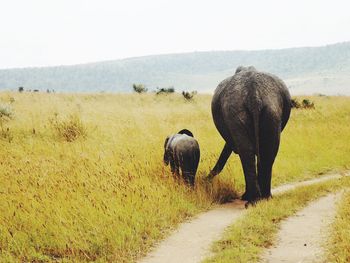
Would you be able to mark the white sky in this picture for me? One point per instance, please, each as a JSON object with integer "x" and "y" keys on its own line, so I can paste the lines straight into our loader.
{"x": 56, "y": 32}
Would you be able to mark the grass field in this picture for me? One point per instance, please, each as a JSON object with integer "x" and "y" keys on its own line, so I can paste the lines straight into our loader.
{"x": 82, "y": 178}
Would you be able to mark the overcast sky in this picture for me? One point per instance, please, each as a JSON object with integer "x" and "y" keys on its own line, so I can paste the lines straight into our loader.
{"x": 56, "y": 32}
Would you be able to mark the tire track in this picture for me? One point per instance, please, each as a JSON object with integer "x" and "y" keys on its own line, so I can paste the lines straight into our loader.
{"x": 191, "y": 241}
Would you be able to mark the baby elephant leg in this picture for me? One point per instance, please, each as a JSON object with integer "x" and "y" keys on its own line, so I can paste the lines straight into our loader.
{"x": 189, "y": 168}
{"x": 189, "y": 178}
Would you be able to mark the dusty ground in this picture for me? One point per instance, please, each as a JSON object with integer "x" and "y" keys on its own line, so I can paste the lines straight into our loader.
{"x": 300, "y": 238}
{"x": 192, "y": 240}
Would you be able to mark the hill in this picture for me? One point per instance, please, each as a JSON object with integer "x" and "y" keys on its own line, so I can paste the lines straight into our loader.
{"x": 306, "y": 70}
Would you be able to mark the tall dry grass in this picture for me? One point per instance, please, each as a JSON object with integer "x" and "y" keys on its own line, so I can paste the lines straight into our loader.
{"x": 105, "y": 195}
{"x": 340, "y": 233}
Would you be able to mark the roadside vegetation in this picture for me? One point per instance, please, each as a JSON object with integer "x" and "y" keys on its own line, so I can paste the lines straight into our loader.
{"x": 340, "y": 233}
{"x": 304, "y": 104}
{"x": 82, "y": 177}
{"x": 189, "y": 95}
{"x": 139, "y": 88}
{"x": 246, "y": 240}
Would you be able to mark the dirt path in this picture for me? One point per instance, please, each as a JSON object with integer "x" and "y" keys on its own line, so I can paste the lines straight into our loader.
{"x": 192, "y": 240}
{"x": 300, "y": 238}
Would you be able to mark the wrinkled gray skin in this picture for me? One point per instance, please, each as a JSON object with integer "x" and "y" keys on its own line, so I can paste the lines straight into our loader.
{"x": 250, "y": 110}
{"x": 181, "y": 150}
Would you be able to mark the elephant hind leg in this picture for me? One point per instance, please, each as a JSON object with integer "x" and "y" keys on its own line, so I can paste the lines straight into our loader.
{"x": 189, "y": 167}
{"x": 268, "y": 151}
{"x": 189, "y": 178}
{"x": 246, "y": 195}
{"x": 249, "y": 168}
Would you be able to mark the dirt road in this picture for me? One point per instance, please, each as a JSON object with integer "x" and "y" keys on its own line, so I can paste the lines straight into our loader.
{"x": 192, "y": 240}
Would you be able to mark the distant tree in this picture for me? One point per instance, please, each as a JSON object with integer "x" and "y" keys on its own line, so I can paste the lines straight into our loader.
{"x": 307, "y": 104}
{"x": 36, "y": 90}
{"x": 295, "y": 103}
{"x": 47, "y": 91}
{"x": 165, "y": 90}
{"x": 139, "y": 88}
{"x": 189, "y": 95}
{"x": 20, "y": 89}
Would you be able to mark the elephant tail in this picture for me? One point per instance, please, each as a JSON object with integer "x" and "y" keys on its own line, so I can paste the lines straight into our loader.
{"x": 256, "y": 114}
{"x": 256, "y": 107}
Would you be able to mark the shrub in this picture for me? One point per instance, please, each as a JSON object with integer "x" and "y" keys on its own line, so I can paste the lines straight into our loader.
{"x": 5, "y": 115}
{"x": 295, "y": 103}
{"x": 20, "y": 89}
{"x": 165, "y": 90}
{"x": 5, "y": 112}
{"x": 139, "y": 88}
{"x": 307, "y": 104}
{"x": 70, "y": 128}
{"x": 189, "y": 95}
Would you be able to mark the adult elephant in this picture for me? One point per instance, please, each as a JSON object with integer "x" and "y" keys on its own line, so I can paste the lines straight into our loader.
{"x": 250, "y": 109}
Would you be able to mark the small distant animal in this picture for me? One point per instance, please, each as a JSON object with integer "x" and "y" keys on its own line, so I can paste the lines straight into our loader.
{"x": 182, "y": 151}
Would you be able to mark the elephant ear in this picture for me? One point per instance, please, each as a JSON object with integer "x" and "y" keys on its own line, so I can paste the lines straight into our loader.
{"x": 166, "y": 141}
{"x": 187, "y": 132}
{"x": 239, "y": 69}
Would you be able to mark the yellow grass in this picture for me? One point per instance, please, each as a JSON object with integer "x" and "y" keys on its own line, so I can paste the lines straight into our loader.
{"x": 338, "y": 246}
{"x": 245, "y": 240}
{"x": 82, "y": 178}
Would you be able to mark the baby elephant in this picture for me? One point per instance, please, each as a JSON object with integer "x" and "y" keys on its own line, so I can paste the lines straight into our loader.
{"x": 181, "y": 150}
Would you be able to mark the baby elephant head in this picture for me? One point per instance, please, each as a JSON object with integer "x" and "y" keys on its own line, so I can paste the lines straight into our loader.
{"x": 187, "y": 132}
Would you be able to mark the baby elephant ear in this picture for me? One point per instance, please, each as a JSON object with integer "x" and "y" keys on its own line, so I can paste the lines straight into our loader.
{"x": 166, "y": 141}
{"x": 239, "y": 69}
{"x": 187, "y": 132}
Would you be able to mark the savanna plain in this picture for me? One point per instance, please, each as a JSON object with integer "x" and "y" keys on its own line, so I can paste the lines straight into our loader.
{"x": 82, "y": 177}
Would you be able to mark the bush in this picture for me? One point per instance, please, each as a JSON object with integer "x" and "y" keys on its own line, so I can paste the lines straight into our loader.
{"x": 305, "y": 104}
{"x": 189, "y": 95}
{"x": 20, "y": 89}
{"x": 165, "y": 90}
{"x": 295, "y": 103}
{"x": 139, "y": 88}
{"x": 70, "y": 128}
{"x": 5, "y": 112}
{"x": 308, "y": 104}
{"x": 5, "y": 115}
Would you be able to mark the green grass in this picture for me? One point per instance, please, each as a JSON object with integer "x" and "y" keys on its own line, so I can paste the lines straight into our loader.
{"x": 249, "y": 236}
{"x": 338, "y": 246}
{"x": 93, "y": 186}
